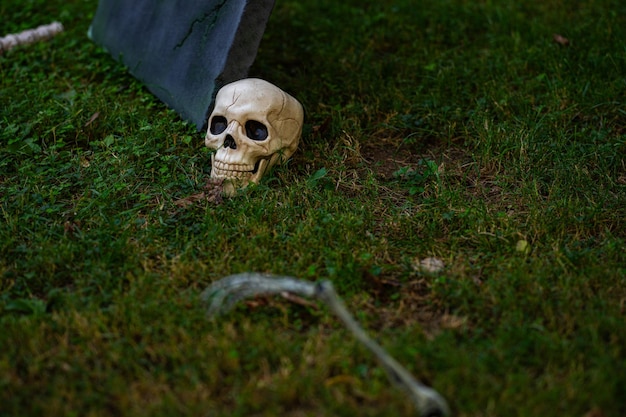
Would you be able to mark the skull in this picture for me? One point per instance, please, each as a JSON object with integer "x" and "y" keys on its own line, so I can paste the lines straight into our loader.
{"x": 254, "y": 125}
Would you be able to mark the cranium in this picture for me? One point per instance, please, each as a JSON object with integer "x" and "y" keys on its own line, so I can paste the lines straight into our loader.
{"x": 254, "y": 125}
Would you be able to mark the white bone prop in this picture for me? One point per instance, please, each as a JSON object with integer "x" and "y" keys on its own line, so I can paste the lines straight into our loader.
{"x": 254, "y": 125}
{"x": 29, "y": 36}
{"x": 222, "y": 295}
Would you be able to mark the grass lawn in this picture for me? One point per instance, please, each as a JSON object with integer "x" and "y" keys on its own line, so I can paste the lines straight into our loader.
{"x": 449, "y": 129}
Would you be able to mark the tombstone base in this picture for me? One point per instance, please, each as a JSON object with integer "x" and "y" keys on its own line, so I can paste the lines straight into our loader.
{"x": 183, "y": 51}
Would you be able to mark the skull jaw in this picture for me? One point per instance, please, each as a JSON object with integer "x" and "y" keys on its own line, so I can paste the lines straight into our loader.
{"x": 235, "y": 180}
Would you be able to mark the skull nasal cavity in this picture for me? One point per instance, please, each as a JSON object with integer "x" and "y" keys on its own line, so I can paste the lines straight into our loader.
{"x": 229, "y": 142}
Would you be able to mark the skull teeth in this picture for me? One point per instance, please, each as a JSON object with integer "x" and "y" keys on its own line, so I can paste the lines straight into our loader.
{"x": 223, "y": 170}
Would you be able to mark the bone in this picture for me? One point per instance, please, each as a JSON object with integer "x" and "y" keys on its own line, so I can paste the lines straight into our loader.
{"x": 29, "y": 36}
{"x": 222, "y": 296}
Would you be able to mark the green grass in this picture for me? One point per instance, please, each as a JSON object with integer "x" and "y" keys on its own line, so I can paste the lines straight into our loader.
{"x": 450, "y": 129}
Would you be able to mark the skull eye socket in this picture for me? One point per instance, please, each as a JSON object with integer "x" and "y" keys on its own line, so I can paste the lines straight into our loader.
{"x": 218, "y": 125}
{"x": 256, "y": 130}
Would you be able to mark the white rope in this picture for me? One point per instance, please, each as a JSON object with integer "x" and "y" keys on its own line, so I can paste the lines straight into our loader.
{"x": 30, "y": 36}
{"x": 222, "y": 296}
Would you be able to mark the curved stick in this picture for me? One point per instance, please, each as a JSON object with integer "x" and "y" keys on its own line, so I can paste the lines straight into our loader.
{"x": 222, "y": 295}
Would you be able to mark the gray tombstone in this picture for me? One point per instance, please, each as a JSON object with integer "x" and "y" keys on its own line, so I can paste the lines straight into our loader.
{"x": 183, "y": 50}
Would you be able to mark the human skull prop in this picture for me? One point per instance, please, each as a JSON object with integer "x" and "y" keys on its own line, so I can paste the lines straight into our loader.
{"x": 254, "y": 125}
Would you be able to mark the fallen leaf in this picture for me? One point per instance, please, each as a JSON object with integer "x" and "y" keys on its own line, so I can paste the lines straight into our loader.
{"x": 71, "y": 228}
{"x": 452, "y": 322}
{"x": 296, "y": 299}
{"x": 430, "y": 265}
{"x": 257, "y": 302}
{"x": 561, "y": 40}
{"x": 342, "y": 379}
{"x": 212, "y": 194}
{"x": 214, "y": 190}
{"x": 323, "y": 127}
{"x": 595, "y": 412}
{"x": 92, "y": 118}
{"x": 187, "y": 201}
{"x": 523, "y": 246}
